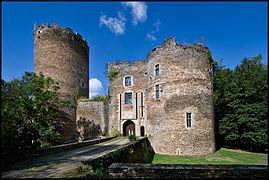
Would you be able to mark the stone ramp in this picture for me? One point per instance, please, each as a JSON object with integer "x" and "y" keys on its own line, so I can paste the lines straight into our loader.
{"x": 58, "y": 164}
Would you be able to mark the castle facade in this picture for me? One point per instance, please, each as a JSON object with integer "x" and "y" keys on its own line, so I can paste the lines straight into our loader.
{"x": 168, "y": 97}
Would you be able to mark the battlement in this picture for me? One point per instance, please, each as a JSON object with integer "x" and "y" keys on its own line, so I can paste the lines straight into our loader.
{"x": 123, "y": 64}
{"x": 171, "y": 43}
{"x": 57, "y": 30}
{"x": 167, "y": 43}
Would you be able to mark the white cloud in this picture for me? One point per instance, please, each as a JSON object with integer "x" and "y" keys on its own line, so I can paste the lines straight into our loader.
{"x": 139, "y": 11}
{"x": 150, "y": 36}
{"x": 95, "y": 87}
{"x": 116, "y": 25}
{"x": 157, "y": 26}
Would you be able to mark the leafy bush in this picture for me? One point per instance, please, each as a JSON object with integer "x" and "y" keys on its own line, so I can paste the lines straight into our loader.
{"x": 104, "y": 98}
{"x": 100, "y": 172}
{"x": 83, "y": 169}
{"x": 115, "y": 132}
{"x": 132, "y": 137}
{"x": 31, "y": 115}
{"x": 112, "y": 74}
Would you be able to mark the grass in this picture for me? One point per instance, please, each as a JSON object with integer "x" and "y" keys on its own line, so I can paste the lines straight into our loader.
{"x": 223, "y": 156}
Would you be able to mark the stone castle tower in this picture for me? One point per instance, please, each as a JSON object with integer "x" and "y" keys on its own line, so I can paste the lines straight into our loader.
{"x": 63, "y": 55}
{"x": 168, "y": 98}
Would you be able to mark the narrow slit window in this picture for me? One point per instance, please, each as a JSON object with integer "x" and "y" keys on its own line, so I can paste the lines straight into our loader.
{"x": 157, "y": 93}
{"x": 188, "y": 119}
{"x": 84, "y": 69}
{"x": 83, "y": 84}
{"x": 128, "y": 98}
{"x": 157, "y": 70}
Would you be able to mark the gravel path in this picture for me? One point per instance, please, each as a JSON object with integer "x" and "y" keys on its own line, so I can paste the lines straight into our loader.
{"x": 58, "y": 164}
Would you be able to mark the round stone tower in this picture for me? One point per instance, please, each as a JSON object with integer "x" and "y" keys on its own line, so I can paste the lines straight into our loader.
{"x": 64, "y": 56}
{"x": 180, "y": 119}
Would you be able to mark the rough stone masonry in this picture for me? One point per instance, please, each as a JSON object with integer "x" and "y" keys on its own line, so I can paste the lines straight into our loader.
{"x": 168, "y": 97}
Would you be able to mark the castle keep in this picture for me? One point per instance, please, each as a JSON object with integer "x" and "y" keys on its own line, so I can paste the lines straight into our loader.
{"x": 168, "y": 97}
{"x": 63, "y": 55}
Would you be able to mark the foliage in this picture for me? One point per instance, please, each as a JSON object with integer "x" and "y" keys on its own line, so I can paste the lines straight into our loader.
{"x": 132, "y": 137}
{"x": 78, "y": 93}
{"x": 115, "y": 132}
{"x": 104, "y": 98}
{"x": 223, "y": 156}
{"x": 111, "y": 74}
{"x": 99, "y": 172}
{"x": 210, "y": 57}
{"x": 83, "y": 168}
{"x": 240, "y": 99}
{"x": 31, "y": 113}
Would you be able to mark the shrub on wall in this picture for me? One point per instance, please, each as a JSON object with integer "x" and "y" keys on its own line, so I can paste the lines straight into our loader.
{"x": 132, "y": 137}
{"x": 115, "y": 132}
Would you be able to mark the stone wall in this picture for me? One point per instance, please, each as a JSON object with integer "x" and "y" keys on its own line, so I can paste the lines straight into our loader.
{"x": 67, "y": 147}
{"x": 119, "y": 111}
{"x": 185, "y": 81}
{"x": 63, "y": 55}
{"x": 163, "y": 171}
{"x": 91, "y": 119}
{"x": 139, "y": 151}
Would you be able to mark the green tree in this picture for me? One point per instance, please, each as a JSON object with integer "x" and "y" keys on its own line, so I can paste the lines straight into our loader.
{"x": 31, "y": 113}
{"x": 241, "y": 104}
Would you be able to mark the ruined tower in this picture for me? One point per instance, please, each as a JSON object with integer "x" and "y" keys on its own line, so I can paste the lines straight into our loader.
{"x": 64, "y": 56}
{"x": 181, "y": 120}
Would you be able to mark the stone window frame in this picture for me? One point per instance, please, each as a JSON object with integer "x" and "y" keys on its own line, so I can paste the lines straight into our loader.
{"x": 159, "y": 70}
{"x": 124, "y": 81}
{"x": 155, "y": 91}
{"x": 128, "y": 92}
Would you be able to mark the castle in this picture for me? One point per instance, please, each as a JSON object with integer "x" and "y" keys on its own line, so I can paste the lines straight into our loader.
{"x": 168, "y": 97}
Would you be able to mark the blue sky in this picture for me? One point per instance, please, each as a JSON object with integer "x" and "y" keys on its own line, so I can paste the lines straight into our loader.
{"x": 113, "y": 30}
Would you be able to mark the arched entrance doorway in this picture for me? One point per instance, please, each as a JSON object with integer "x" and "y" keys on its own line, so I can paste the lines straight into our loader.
{"x": 142, "y": 130}
{"x": 128, "y": 128}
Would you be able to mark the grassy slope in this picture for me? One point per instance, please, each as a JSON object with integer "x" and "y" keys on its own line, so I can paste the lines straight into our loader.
{"x": 223, "y": 156}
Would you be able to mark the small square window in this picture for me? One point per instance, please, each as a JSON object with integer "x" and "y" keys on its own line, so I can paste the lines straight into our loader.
{"x": 128, "y": 81}
{"x": 128, "y": 98}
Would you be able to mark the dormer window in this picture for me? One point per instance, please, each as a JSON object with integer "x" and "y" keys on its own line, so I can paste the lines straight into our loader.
{"x": 128, "y": 81}
{"x": 157, "y": 70}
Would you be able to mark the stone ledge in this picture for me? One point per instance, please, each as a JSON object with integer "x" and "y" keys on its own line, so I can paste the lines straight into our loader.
{"x": 139, "y": 151}
{"x": 138, "y": 170}
{"x": 70, "y": 146}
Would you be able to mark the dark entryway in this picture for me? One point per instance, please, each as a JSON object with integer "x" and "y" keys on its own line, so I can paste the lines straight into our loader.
{"x": 128, "y": 128}
{"x": 142, "y": 130}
